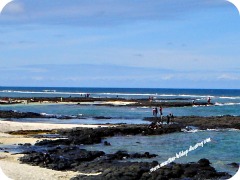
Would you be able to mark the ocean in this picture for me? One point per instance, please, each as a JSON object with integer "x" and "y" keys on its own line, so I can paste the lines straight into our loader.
{"x": 226, "y": 102}
{"x": 223, "y": 149}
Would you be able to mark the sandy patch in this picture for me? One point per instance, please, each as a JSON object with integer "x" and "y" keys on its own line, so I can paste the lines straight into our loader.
{"x": 12, "y": 168}
{"x": 114, "y": 103}
{"x": 118, "y": 103}
{"x": 17, "y": 140}
{"x": 9, "y": 163}
{"x": 6, "y": 126}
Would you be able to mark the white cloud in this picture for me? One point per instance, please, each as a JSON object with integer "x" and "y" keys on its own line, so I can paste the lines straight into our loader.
{"x": 167, "y": 77}
{"x": 229, "y": 77}
{"x": 14, "y": 7}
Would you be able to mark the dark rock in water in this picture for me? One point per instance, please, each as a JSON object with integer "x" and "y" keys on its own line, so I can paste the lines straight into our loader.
{"x": 80, "y": 136}
{"x": 123, "y": 170}
{"x": 235, "y": 165}
{"x": 106, "y": 143}
{"x": 15, "y": 114}
{"x": 61, "y": 158}
{"x": 73, "y": 158}
{"x": 50, "y": 143}
{"x": 204, "y": 162}
{"x": 26, "y": 144}
{"x": 62, "y": 154}
{"x": 141, "y": 171}
{"x": 77, "y": 135}
{"x": 101, "y": 117}
{"x": 119, "y": 155}
{"x": 145, "y": 155}
{"x": 213, "y": 122}
{"x": 65, "y": 117}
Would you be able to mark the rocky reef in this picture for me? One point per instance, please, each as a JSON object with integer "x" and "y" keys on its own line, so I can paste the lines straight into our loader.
{"x": 212, "y": 122}
{"x": 66, "y": 154}
{"x": 78, "y": 136}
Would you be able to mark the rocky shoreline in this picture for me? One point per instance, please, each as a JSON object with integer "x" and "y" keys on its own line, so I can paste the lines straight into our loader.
{"x": 110, "y": 166}
{"x": 66, "y": 154}
{"x": 135, "y": 171}
{"x": 203, "y": 123}
{"x": 78, "y": 136}
{"x": 200, "y": 122}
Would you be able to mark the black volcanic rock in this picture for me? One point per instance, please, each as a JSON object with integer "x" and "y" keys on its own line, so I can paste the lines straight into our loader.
{"x": 62, "y": 154}
{"x": 101, "y": 117}
{"x": 213, "y": 122}
{"x": 61, "y": 158}
{"x": 141, "y": 171}
{"x": 80, "y": 136}
{"x": 15, "y": 114}
{"x": 234, "y": 165}
{"x": 106, "y": 143}
{"x": 120, "y": 155}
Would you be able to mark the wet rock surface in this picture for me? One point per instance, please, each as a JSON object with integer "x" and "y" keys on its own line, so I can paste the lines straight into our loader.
{"x": 70, "y": 157}
{"x": 80, "y": 136}
{"x": 66, "y": 154}
{"x": 60, "y": 158}
{"x": 234, "y": 165}
{"x": 134, "y": 171}
{"x": 121, "y": 155}
{"x": 15, "y": 114}
{"x": 74, "y": 158}
{"x": 213, "y": 122}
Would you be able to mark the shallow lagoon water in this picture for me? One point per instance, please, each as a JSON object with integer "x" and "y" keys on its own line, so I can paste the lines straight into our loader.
{"x": 123, "y": 112}
{"x": 223, "y": 149}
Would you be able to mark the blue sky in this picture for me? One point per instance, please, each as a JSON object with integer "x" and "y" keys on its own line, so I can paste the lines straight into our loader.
{"x": 120, "y": 43}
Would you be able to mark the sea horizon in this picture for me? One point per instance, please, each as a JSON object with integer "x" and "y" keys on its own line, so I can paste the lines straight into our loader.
{"x": 111, "y": 87}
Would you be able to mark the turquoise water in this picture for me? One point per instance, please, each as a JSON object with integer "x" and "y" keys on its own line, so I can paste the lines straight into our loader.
{"x": 118, "y": 114}
{"x": 226, "y": 102}
{"x": 222, "y": 150}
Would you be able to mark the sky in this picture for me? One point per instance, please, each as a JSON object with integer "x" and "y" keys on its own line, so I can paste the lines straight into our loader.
{"x": 120, "y": 43}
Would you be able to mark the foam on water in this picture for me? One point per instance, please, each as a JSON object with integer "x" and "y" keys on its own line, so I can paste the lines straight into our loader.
{"x": 223, "y": 150}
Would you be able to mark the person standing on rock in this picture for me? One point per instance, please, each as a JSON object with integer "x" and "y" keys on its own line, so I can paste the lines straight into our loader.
{"x": 209, "y": 100}
{"x": 171, "y": 117}
{"x": 154, "y": 112}
{"x": 161, "y": 112}
{"x": 168, "y": 119}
